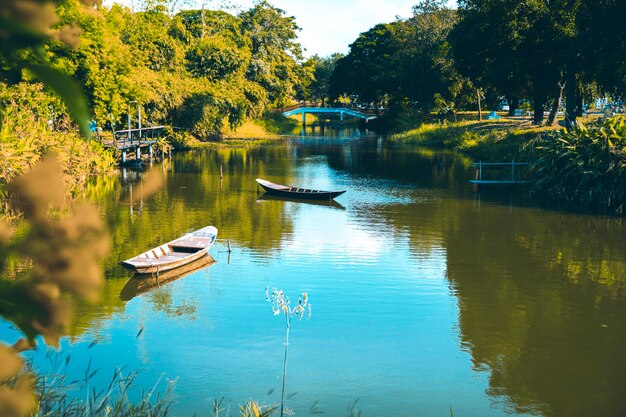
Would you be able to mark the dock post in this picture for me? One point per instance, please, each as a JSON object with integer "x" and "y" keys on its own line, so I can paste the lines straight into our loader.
{"x": 303, "y": 118}
{"x": 123, "y": 157}
{"x": 138, "y": 153}
{"x": 139, "y": 120}
{"x": 151, "y": 151}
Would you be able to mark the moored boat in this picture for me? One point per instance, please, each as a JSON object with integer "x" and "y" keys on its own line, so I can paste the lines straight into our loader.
{"x": 297, "y": 192}
{"x": 174, "y": 254}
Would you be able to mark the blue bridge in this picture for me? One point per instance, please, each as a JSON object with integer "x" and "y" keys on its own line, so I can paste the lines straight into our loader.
{"x": 329, "y": 110}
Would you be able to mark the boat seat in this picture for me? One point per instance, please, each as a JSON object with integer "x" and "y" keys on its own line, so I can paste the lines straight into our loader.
{"x": 178, "y": 254}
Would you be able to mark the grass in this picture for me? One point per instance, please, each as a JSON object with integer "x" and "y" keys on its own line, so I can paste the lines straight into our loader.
{"x": 491, "y": 140}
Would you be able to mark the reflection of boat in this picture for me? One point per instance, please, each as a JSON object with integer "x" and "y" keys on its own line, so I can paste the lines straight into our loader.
{"x": 173, "y": 254}
{"x": 327, "y": 203}
{"x": 297, "y": 192}
{"x": 141, "y": 283}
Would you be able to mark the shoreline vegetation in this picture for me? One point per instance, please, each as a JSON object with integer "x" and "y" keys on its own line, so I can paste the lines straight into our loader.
{"x": 487, "y": 140}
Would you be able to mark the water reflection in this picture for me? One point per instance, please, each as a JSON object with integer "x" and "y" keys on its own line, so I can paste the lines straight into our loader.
{"x": 326, "y": 203}
{"x": 424, "y": 296}
{"x": 141, "y": 283}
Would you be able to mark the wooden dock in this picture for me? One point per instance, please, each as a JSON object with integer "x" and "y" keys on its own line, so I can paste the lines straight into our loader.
{"x": 130, "y": 142}
{"x": 508, "y": 174}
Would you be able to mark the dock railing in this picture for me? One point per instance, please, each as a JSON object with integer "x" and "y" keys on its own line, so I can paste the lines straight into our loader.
{"x": 507, "y": 174}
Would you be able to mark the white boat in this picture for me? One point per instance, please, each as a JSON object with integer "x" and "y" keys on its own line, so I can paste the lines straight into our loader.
{"x": 174, "y": 254}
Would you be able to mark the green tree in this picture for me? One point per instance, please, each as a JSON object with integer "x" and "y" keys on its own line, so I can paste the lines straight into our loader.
{"x": 276, "y": 56}
{"x": 405, "y": 62}
{"x": 322, "y": 71}
{"x": 522, "y": 48}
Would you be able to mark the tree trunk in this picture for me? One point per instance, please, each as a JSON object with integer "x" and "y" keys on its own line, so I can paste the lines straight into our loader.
{"x": 480, "y": 111}
{"x": 552, "y": 119}
{"x": 571, "y": 95}
{"x": 579, "y": 105}
{"x": 513, "y": 105}
{"x": 538, "y": 104}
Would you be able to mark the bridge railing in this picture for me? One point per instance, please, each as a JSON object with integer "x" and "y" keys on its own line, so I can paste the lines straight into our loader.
{"x": 298, "y": 106}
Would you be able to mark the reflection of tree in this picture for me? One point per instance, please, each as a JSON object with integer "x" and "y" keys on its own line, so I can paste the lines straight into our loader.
{"x": 541, "y": 307}
{"x": 163, "y": 301}
{"x": 193, "y": 196}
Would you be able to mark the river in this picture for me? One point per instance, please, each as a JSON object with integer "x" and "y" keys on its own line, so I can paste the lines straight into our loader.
{"x": 427, "y": 295}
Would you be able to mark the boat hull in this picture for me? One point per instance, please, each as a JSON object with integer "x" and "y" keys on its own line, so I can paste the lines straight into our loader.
{"x": 296, "y": 192}
{"x": 163, "y": 266}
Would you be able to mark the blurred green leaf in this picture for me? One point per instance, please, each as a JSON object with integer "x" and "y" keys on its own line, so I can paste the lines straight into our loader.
{"x": 69, "y": 90}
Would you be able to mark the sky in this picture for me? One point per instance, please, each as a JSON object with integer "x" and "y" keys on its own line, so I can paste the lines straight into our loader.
{"x": 328, "y": 26}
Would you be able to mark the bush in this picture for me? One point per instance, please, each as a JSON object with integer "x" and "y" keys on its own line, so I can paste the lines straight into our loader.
{"x": 585, "y": 165}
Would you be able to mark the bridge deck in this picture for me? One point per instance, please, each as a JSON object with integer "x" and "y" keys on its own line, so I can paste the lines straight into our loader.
{"x": 330, "y": 110}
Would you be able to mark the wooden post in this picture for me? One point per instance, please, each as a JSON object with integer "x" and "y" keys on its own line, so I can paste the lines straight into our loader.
{"x": 138, "y": 153}
{"x": 480, "y": 112}
{"x": 139, "y": 120}
{"x": 130, "y": 138}
{"x": 228, "y": 241}
{"x": 123, "y": 156}
{"x": 221, "y": 173}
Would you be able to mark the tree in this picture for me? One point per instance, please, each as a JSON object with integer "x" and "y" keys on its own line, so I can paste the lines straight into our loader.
{"x": 276, "y": 56}
{"x": 405, "y": 62}
{"x": 369, "y": 70}
{"x": 602, "y": 36}
{"x": 523, "y": 48}
{"x": 323, "y": 69}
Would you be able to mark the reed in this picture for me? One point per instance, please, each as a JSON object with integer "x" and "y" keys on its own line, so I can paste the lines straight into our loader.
{"x": 57, "y": 396}
{"x": 282, "y": 305}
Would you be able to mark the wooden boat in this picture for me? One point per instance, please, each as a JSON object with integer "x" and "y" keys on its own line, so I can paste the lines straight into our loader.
{"x": 297, "y": 192}
{"x": 174, "y": 254}
{"x": 141, "y": 283}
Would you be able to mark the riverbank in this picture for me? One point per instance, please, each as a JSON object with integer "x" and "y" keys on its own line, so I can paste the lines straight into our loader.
{"x": 580, "y": 168}
{"x": 487, "y": 140}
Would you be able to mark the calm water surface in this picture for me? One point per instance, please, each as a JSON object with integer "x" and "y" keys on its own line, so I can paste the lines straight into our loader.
{"x": 426, "y": 294}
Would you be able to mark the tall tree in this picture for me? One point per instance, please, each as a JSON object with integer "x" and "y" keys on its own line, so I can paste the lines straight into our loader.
{"x": 276, "y": 55}
{"x": 323, "y": 68}
{"x": 405, "y": 62}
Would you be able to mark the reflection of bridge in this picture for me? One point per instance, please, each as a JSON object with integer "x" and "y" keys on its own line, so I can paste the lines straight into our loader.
{"x": 329, "y": 110}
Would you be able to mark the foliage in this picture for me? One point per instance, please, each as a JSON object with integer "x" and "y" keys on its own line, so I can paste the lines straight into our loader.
{"x": 585, "y": 165}
{"x": 64, "y": 250}
{"x": 404, "y": 63}
{"x": 275, "y": 53}
{"x": 26, "y": 28}
{"x": 198, "y": 69}
{"x": 323, "y": 69}
{"x": 488, "y": 140}
{"x": 33, "y": 123}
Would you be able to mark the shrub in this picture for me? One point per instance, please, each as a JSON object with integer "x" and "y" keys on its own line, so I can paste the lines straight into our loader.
{"x": 584, "y": 165}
